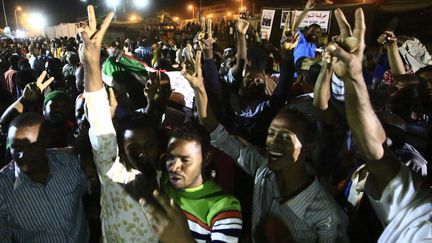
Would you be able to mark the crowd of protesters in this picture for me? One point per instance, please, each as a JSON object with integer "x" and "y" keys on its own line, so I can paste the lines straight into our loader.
{"x": 292, "y": 143}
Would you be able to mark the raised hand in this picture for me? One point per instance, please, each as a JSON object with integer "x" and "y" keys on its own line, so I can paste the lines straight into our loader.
{"x": 152, "y": 87}
{"x": 196, "y": 79}
{"x": 365, "y": 126}
{"x": 310, "y": 4}
{"x": 349, "y": 51}
{"x": 168, "y": 221}
{"x": 289, "y": 39}
{"x": 33, "y": 91}
{"x": 189, "y": 53}
{"x": 89, "y": 50}
{"x": 205, "y": 38}
{"x": 387, "y": 38}
{"x": 242, "y": 26}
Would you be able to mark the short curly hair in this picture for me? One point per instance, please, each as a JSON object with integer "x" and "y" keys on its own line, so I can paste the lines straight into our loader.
{"x": 192, "y": 131}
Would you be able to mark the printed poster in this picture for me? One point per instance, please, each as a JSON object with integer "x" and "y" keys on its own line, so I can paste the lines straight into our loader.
{"x": 267, "y": 23}
{"x": 286, "y": 16}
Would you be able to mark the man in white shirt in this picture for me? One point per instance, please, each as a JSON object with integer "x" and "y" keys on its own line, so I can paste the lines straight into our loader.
{"x": 402, "y": 206}
{"x": 122, "y": 217}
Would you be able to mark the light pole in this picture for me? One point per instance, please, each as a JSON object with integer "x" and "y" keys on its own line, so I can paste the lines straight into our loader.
{"x": 192, "y": 7}
{"x": 199, "y": 10}
{"x": 4, "y": 11}
{"x": 16, "y": 16}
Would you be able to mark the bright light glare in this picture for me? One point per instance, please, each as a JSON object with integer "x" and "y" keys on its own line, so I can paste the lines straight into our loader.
{"x": 133, "y": 18}
{"x": 113, "y": 3}
{"x": 38, "y": 21}
{"x": 141, "y": 3}
{"x": 20, "y": 34}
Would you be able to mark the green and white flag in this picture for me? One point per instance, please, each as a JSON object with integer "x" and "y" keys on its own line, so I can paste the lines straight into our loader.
{"x": 125, "y": 63}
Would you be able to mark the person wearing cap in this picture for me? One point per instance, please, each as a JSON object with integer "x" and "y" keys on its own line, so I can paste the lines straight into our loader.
{"x": 58, "y": 110}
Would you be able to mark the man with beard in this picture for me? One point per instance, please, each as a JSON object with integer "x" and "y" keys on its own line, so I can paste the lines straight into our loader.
{"x": 126, "y": 175}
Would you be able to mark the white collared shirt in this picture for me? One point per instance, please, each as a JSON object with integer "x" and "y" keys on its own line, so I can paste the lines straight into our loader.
{"x": 404, "y": 208}
{"x": 122, "y": 217}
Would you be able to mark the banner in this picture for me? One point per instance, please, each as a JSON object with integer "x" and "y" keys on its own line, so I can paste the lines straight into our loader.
{"x": 181, "y": 85}
{"x": 267, "y": 23}
{"x": 61, "y": 30}
{"x": 322, "y": 18}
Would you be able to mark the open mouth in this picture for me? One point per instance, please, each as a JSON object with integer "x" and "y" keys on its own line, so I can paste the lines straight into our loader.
{"x": 275, "y": 155}
{"x": 175, "y": 178}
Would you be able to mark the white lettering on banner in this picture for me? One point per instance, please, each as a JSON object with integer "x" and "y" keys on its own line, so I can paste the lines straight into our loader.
{"x": 322, "y": 18}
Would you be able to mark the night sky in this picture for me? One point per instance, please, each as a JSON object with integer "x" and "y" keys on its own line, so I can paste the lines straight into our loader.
{"x": 58, "y": 11}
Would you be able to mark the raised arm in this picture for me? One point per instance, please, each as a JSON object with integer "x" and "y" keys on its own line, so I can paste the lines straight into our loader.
{"x": 286, "y": 79}
{"x": 212, "y": 83}
{"x": 290, "y": 32}
{"x": 367, "y": 131}
{"x": 389, "y": 40}
{"x": 102, "y": 134}
{"x": 309, "y": 6}
{"x": 196, "y": 80}
{"x": 32, "y": 94}
{"x": 90, "y": 50}
{"x": 242, "y": 26}
{"x": 322, "y": 89}
{"x": 249, "y": 160}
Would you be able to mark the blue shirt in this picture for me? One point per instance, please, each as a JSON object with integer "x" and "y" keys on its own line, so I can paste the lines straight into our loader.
{"x": 304, "y": 48}
{"x": 51, "y": 213}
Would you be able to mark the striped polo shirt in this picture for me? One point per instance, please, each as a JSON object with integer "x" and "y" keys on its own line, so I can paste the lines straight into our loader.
{"x": 213, "y": 216}
{"x": 51, "y": 213}
{"x": 311, "y": 216}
